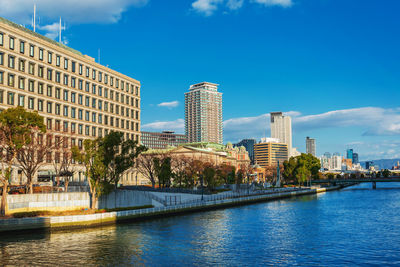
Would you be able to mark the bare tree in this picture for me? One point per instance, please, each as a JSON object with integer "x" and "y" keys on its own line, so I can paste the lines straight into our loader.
{"x": 145, "y": 166}
{"x": 179, "y": 165}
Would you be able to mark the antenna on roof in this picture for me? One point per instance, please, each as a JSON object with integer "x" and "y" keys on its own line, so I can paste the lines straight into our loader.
{"x": 34, "y": 17}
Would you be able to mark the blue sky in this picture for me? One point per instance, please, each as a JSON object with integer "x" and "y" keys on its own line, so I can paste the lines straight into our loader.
{"x": 333, "y": 65}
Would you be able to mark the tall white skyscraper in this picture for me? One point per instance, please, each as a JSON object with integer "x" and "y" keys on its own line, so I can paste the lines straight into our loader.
{"x": 203, "y": 113}
{"x": 311, "y": 146}
{"x": 281, "y": 128}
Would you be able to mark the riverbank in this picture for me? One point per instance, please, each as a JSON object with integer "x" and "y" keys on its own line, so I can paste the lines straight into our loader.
{"x": 100, "y": 219}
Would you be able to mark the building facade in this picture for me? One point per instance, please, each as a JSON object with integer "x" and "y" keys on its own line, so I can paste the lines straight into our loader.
{"x": 281, "y": 128}
{"x": 310, "y": 146}
{"x": 162, "y": 140}
{"x": 77, "y": 97}
{"x": 203, "y": 113}
{"x": 268, "y": 154}
{"x": 355, "y": 158}
{"x": 349, "y": 153}
{"x": 249, "y": 146}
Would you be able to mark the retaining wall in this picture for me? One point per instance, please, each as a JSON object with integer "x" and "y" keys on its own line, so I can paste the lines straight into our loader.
{"x": 123, "y": 199}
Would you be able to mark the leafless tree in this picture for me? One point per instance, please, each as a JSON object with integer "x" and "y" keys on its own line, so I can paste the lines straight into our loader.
{"x": 145, "y": 166}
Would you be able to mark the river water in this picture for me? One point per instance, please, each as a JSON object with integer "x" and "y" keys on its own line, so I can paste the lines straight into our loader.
{"x": 354, "y": 226}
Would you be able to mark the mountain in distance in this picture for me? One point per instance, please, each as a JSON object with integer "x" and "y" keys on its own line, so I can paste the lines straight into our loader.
{"x": 382, "y": 163}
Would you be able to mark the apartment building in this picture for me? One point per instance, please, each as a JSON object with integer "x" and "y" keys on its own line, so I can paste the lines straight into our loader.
{"x": 269, "y": 153}
{"x": 78, "y": 97}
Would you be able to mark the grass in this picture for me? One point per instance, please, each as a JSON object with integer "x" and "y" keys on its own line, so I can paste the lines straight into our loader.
{"x": 44, "y": 213}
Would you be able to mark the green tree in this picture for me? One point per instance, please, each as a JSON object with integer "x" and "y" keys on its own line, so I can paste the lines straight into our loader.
{"x": 163, "y": 171}
{"x": 209, "y": 175}
{"x": 289, "y": 167}
{"x": 16, "y": 128}
{"x": 331, "y": 176}
{"x": 119, "y": 155}
{"x": 92, "y": 157}
{"x": 386, "y": 173}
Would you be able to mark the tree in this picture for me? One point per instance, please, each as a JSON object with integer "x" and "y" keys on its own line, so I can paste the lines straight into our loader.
{"x": 92, "y": 159}
{"x": 224, "y": 173}
{"x": 162, "y": 166}
{"x": 194, "y": 169}
{"x": 386, "y": 173}
{"x": 16, "y": 128}
{"x": 145, "y": 166}
{"x": 209, "y": 176}
{"x": 179, "y": 164}
{"x": 119, "y": 154}
{"x": 31, "y": 157}
{"x": 331, "y": 176}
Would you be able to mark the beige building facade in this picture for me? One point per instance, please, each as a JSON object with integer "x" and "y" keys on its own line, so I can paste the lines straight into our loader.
{"x": 77, "y": 97}
{"x": 268, "y": 154}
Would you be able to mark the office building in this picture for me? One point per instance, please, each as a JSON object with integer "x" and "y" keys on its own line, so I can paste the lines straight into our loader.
{"x": 268, "y": 154}
{"x": 77, "y": 97}
{"x": 349, "y": 153}
{"x": 355, "y": 158}
{"x": 203, "y": 113}
{"x": 310, "y": 146}
{"x": 248, "y": 144}
{"x": 369, "y": 164}
{"x": 281, "y": 128}
{"x": 162, "y": 140}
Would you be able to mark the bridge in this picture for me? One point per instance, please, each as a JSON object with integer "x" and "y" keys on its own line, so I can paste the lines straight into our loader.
{"x": 372, "y": 180}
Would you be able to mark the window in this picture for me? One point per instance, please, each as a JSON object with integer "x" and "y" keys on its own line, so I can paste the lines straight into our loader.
{"x": 100, "y": 91}
{"x": 32, "y": 50}
{"x": 58, "y": 61}
{"x": 11, "y": 80}
{"x": 116, "y": 83}
{"x": 106, "y": 120}
{"x": 22, "y": 47}
{"x": 80, "y": 131}
{"x": 40, "y": 88}
{"x": 80, "y": 69}
{"x": 66, "y": 95}
{"x": 93, "y": 131}
{"x": 94, "y": 116}
{"x": 100, "y": 104}
{"x": 80, "y": 85}
{"x": 73, "y": 64}
{"x": 1, "y": 58}
{"x": 87, "y": 101}
{"x": 40, "y": 54}
{"x": 31, "y": 86}
{"x": 40, "y": 71}
{"x": 80, "y": 114}
{"x": 1, "y": 39}
{"x": 21, "y": 100}
{"x": 40, "y": 105}
{"x": 73, "y": 85}
{"x": 49, "y": 57}
{"x": 117, "y": 96}
{"x": 65, "y": 63}
{"x": 58, "y": 109}
{"x": 93, "y": 89}
{"x": 73, "y": 113}
{"x": 10, "y": 98}
{"x": 112, "y": 108}
{"x": 49, "y": 90}
{"x": 31, "y": 68}
{"x": 12, "y": 40}
{"x": 73, "y": 96}
{"x": 1, "y": 96}
{"x": 11, "y": 62}
{"x": 87, "y": 115}
{"x": 94, "y": 74}
{"x": 105, "y": 78}
{"x": 100, "y": 76}
{"x": 58, "y": 93}
{"x": 73, "y": 129}
{"x": 100, "y": 118}
{"x": 65, "y": 113}
{"x": 111, "y": 81}
{"x": 122, "y": 85}
{"x": 48, "y": 127}
{"x": 105, "y": 92}
{"x": 21, "y": 65}
{"x": 1, "y": 77}
{"x": 49, "y": 107}
{"x": 66, "y": 79}
{"x": 58, "y": 77}
{"x": 87, "y": 86}
{"x": 105, "y": 106}
{"x": 87, "y": 72}
{"x": 31, "y": 103}
{"x": 65, "y": 128}
{"x": 111, "y": 94}
{"x": 87, "y": 130}
{"x": 21, "y": 83}
{"x": 80, "y": 99}
{"x": 49, "y": 74}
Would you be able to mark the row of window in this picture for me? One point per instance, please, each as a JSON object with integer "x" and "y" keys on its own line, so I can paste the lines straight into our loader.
{"x": 73, "y": 67}
{"x": 70, "y": 112}
{"x": 70, "y": 81}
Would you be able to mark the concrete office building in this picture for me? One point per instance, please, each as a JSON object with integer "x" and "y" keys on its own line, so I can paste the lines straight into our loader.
{"x": 203, "y": 113}
{"x": 281, "y": 128}
{"x": 310, "y": 146}
{"x": 162, "y": 140}
{"x": 268, "y": 154}
{"x": 77, "y": 97}
{"x": 248, "y": 144}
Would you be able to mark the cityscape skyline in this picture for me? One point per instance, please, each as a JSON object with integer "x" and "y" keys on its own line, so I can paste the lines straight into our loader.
{"x": 340, "y": 110}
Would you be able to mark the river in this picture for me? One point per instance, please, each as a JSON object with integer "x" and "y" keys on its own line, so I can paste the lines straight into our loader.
{"x": 354, "y": 226}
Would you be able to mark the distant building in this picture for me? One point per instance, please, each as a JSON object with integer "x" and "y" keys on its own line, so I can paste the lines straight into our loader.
{"x": 203, "y": 113}
{"x": 268, "y": 154}
{"x": 369, "y": 164}
{"x": 355, "y": 158}
{"x": 162, "y": 140}
{"x": 281, "y": 128}
{"x": 310, "y": 146}
{"x": 249, "y": 146}
{"x": 327, "y": 155}
{"x": 349, "y": 154}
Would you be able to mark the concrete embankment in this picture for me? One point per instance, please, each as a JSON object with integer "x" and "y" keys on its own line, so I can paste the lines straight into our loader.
{"x": 82, "y": 221}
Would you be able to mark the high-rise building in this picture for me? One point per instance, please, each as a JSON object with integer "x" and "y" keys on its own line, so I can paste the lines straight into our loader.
{"x": 355, "y": 158}
{"x": 78, "y": 98}
{"x": 249, "y": 146}
{"x": 369, "y": 164}
{"x": 203, "y": 113}
{"x": 310, "y": 146}
{"x": 268, "y": 154}
{"x": 162, "y": 140}
{"x": 281, "y": 128}
{"x": 350, "y": 154}
{"x": 327, "y": 155}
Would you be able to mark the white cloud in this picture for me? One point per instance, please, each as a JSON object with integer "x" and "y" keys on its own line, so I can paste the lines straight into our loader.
{"x": 282, "y": 3}
{"x": 51, "y": 30}
{"x": 176, "y": 125}
{"x": 172, "y": 104}
{"x": 234, "y": 4}
{"x": 72, "y": 11}
{"x": 206, "y": 7}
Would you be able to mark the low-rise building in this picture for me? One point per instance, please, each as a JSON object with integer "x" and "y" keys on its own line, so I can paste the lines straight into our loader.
{"x": 162, "y": 140}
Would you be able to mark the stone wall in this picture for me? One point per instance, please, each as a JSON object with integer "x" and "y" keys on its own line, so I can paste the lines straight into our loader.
{"x": 124, "y": 199}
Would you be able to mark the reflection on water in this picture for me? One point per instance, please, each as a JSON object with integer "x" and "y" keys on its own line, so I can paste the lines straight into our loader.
{"x": 357, "y": 225}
